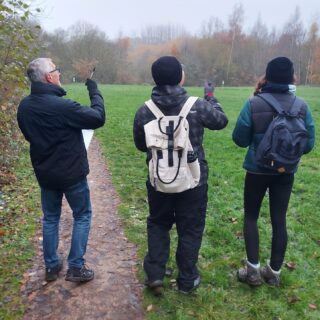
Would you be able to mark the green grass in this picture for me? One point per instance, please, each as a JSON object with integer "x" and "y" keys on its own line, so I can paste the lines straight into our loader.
{"x": 19, "y": 220}
{"x": 220, "y": 296}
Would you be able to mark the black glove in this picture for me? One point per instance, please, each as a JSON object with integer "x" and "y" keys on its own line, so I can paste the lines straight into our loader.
{"x": 91, "y": 85}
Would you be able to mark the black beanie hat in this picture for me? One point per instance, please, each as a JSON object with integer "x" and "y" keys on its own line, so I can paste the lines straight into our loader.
{"x": 280, "y": 70}
{"x": 167, "y": 70}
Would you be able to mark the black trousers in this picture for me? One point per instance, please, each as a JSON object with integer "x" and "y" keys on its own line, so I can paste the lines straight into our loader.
{"x": 280, "y": 187}
{"x": 187, "y": 210}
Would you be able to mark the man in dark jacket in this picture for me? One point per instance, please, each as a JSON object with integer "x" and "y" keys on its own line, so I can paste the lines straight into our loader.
{"x": 188, "y": 208}
{"x": 52, "y": 125}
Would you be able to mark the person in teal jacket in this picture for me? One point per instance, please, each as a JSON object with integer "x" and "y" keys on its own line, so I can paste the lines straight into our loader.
{"x": 252, "y": 123}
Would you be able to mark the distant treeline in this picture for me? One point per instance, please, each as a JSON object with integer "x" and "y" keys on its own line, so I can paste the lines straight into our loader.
{"x": 224, "y": 54}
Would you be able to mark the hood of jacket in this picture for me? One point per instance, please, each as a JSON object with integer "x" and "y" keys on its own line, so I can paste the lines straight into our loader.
{"x": 168, "y": 97}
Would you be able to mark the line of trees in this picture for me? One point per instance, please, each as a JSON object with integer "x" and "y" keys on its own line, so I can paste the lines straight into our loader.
{"x": 222, "y": 53}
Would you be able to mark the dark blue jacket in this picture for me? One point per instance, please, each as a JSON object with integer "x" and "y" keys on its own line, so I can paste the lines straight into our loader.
{"x": 253, "y": 122}
{"x": 52, "y": 125}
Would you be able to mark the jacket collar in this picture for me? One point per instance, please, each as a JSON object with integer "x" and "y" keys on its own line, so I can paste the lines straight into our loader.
{"x": 47, "y": 88}
{"x": 278, "y": 88}
{"x": 167, "y": 97}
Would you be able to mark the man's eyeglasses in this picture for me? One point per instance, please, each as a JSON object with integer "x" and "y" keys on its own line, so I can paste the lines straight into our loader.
{"x": 56, "y": 69}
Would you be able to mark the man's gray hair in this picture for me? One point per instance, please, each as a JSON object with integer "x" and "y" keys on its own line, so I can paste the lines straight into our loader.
{"x": 38, "y": 69}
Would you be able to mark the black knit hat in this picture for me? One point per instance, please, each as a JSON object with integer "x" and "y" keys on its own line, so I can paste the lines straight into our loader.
{"x": 280, "y": 70}
{"x": 167, "y": 70}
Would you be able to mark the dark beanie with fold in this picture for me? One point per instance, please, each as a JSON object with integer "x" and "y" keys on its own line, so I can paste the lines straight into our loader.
{"x": 167, "y": 70}
{"x": 280, "y": 70}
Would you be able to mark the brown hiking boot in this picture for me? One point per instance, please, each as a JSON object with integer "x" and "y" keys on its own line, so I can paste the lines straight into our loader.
{"x": 269, "y": 276}
{"x": 250, "y": 275}
{"x": 155, "y": 286}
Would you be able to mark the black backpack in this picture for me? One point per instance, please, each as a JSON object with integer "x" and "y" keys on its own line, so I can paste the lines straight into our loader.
{"x": 285, "y": 140}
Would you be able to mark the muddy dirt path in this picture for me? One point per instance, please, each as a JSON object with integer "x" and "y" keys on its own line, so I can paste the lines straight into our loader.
{"x": 115, "y": 293}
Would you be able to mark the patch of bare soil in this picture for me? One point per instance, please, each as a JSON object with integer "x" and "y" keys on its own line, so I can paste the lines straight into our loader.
{"x": 115, "y": 293}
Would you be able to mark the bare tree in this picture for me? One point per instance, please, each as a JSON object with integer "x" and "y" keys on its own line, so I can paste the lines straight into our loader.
{"x": 235, "y": 30}
{"x": 162, "y": 33}
{"x": 311, "y": 50}
{"x": 291, "y": 40}
{"x": 260, "y": 41}
{"x": 211, "y": 27}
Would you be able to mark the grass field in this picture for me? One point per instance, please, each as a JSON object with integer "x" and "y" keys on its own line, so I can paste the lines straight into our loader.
{"x": 220, "y": 296}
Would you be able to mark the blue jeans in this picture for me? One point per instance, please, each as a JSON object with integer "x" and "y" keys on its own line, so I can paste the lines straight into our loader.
{"x": 78, "y": 197}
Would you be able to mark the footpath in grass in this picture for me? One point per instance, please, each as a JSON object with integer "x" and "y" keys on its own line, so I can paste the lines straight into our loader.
{"x": 115, "y": 293}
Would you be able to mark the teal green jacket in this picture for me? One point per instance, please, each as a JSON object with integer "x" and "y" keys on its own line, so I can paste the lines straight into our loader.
{"x": 253, "y": 122}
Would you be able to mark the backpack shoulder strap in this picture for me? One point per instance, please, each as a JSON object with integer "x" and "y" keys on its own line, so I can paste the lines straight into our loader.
{"x": 271, "y": 100}
{"x": 296, "y": 106}
{"x": 187, "y": 106}
{"x": 154, "y": 109}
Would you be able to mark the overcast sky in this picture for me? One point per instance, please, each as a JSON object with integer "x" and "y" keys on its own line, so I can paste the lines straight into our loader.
{"x": 130, "y": 16}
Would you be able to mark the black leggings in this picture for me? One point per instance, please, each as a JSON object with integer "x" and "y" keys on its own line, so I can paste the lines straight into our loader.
{"x": 280, "y": 187}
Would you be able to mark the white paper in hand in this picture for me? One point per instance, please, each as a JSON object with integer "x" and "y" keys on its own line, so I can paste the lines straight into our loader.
{"x": 87, "y": 136}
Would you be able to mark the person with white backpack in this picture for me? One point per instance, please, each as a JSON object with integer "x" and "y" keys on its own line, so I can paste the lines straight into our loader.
{"x": 169, "y": 128}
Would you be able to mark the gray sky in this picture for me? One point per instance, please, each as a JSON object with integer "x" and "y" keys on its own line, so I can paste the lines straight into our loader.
{"x": 130, "y": 16}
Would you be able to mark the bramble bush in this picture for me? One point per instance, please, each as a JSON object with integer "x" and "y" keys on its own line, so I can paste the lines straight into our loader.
{"x": 18, "y": 38}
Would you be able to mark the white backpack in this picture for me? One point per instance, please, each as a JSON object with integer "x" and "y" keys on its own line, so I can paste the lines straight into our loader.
{"x": 168, "y": 139}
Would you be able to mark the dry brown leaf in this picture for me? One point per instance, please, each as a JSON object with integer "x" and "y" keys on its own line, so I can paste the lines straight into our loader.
{"x": 32, "y": 295}
{"x": 25, "y": 277}
{"x": 239, "y": 234}
{"x": 150, "y": 307}
{"x": 233, "y": 220}
{"x": 293, "y": 299}
{"x": 312, "y": 306}
{"x": 290, "y": 265}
